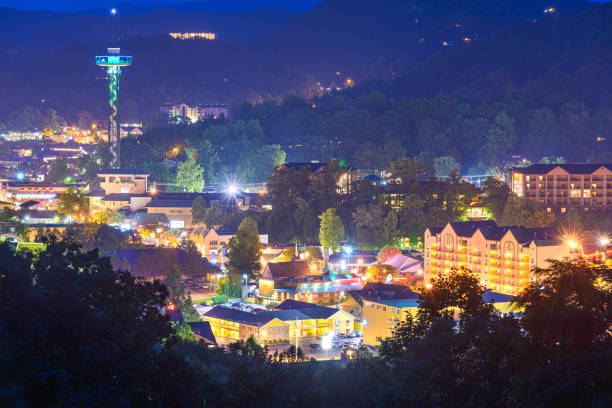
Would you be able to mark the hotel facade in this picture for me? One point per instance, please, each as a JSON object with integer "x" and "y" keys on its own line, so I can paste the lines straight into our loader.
{"x": 558, "y": 187}
{"x": 504, "y": 258}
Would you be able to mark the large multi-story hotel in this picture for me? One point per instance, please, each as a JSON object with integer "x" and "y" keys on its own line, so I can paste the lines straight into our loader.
{"x": 505, "y": 258}
{"x": 561, "y": 186}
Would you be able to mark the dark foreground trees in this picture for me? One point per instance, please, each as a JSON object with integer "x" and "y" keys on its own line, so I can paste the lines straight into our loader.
{"x": 74, "y": 332}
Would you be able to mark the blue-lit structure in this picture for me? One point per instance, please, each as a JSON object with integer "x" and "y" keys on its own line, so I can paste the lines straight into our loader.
{"x": 113, "y": 61}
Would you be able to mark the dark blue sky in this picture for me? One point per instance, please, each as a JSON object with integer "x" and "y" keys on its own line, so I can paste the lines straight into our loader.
{"x": 73, "y": 5}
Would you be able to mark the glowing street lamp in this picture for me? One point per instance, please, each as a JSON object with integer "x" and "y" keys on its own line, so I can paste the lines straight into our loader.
{"x": 572, "y": 243}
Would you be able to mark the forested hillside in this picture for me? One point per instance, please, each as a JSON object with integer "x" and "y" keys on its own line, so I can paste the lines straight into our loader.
{"x": 377, "y": 39}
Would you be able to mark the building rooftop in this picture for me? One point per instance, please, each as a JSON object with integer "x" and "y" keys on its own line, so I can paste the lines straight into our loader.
{"x": 123, "y": 172}
{"x": 398, "y": 302}
{"x": 573, "y": 168}
{"x": 116, "y": 197}
{"x": 280, "y": 270}
{"x": 238, "y": 316}
{"x": 170, "y": 203}
{"x": 492, "y": 232}
{"x": 293, "y": 304}
{"x": 204, "y": 331}
{"x": 315, "y": 312}
{"x": 377, "y": 291}
{"x": 495, "y": 297}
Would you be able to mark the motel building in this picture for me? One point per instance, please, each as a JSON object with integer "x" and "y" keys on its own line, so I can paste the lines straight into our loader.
{"x": 44, "y": 194}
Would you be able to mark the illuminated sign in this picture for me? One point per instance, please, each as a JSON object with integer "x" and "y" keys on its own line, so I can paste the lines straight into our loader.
{"x": 35, "y": 196}
{"x": 175, "y": 224}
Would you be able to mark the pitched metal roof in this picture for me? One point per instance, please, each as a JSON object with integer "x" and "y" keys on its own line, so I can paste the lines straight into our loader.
{"x": 238, "y": 316}
{"x": 203, "y": 330}
{"x": 316, "y": 312}
{"x": 293, "y": 304}
{"x": 377, "y": 291}
{"x": 573, "y": 168}
{"x": 280, "y": 270}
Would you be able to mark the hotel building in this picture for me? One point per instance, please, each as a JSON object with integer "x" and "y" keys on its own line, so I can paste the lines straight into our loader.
{"x": 504, "y": 258}
{"x": 561, "y": 186}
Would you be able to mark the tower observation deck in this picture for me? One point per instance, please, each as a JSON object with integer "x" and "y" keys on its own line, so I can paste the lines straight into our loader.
{"x": 113, "y": 61}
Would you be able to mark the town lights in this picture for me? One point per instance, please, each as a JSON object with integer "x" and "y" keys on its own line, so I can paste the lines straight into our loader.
{"x": 428, "y": 285}
{"x": 348, "y": 250}
{"x": 326, "y": 341}
{"x": 604, "y": 241}
{"x": 572, "y": 244}
{"x": 232, "y": 189}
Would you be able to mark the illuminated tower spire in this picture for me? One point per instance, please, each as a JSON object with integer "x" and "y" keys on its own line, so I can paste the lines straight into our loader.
{"x": 114, "y": 61}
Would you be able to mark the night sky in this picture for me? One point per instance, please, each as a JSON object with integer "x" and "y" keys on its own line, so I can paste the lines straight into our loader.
{"x": 73, "y": 5}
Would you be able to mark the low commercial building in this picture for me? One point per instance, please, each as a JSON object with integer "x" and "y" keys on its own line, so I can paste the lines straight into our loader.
{"x": 234, "y": 325}
{"x": 211, "y": 242}
{"x": 563, "y": 186}
{"x": 44, "y": 195}
{"x": 381, "y": 316}
{"x": 375, "y": 291}
{"x": 123, "y": 181}
{"x": 314, "y": 321}
{"x": 504, "y": 258}
{"x": 177, "y": 211}
{"x": 285, "y": 274}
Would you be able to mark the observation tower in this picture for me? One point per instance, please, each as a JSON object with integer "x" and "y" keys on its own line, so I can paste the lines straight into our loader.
{"x": 113, "y": 61}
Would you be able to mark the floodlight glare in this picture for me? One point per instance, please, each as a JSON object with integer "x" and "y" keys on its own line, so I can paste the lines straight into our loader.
{"x": 231, "y": 189}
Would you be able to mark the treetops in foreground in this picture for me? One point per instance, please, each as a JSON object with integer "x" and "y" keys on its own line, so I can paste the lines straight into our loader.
{"x": 74, "y": 331}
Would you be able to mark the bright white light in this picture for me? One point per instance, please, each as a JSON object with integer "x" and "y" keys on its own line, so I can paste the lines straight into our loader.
{"x": 348, "y": 250}
{"x": 113, "y": 11}
{"x": 20, "y": 176}
{"x": 604, "y": 241}
{"x": 245, "y": 276}
{"x": 232, "y": 189}
{"x": 326, "y": 341}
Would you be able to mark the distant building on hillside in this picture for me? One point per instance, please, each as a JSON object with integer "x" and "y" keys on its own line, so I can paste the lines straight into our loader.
{"x": 562, "y": 186}
{"x": 193, "y": 113}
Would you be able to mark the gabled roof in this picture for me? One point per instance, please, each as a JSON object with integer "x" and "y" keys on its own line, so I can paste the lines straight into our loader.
{"x": 377, "y": 291}
{"x": 280, "y": 270}
{"x": 572, "y": 168}
{"x": 468, "y": 228}
{"x": 316, "y": 312}
{"x": 372, "y": 177}
{"x": 238, "y": 316}
{"x": 293, "y": 304}
{"x": 203, "y": 331}
{"x": 402, "y": 263}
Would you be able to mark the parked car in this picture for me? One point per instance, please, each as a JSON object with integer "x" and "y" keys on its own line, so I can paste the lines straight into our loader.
{"x": 341, "y": 335}
{"x": 315, "y": 346}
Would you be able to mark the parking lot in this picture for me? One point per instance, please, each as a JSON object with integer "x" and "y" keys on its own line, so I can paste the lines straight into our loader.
{"x": 305, "y": 343}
